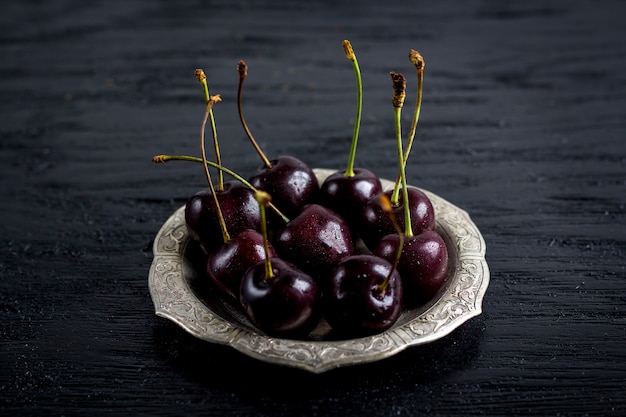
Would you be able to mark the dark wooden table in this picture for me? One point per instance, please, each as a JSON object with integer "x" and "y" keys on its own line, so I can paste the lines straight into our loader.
{"x": 522, "y": 125}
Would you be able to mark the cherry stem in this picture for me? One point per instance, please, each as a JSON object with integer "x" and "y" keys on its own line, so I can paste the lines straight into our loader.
{"x": 399, "y": 94}
{"x": 200, "y": 75}
{"x": 419, "y": 63}
{"x": 242, "y": 69}
{"x": 388, "y": 208}
{"x": 347, "y": 48}
{"x": 212, "y": 101}
{"x": 166, "y": 158}
{"x": 264, "y": 200}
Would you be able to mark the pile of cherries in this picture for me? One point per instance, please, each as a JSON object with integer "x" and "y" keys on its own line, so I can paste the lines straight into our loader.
{"x": 290, "y": 250}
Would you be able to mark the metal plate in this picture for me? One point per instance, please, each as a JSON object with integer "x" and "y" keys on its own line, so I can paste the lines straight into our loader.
{"x": 179, "y": 295}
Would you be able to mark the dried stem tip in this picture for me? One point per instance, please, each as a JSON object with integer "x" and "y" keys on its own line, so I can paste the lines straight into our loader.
{"x": 399, "y": 89}
{"x": 416, "y": 59}
{"x": 242, "y": 69}
{"x": 262, "y": 197}
{"x": 347, "y": 49}
{"x": 200, "y": 75}
{"x": 214, "y": 99}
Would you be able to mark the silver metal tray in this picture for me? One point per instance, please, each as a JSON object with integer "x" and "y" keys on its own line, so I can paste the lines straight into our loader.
{"x": 179, "y": 295}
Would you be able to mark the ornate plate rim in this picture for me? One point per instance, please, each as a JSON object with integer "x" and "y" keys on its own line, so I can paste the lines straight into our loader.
{"x": 457, "y": 303}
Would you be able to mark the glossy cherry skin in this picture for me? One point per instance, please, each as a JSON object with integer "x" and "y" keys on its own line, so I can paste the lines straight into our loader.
{"x": 239, "y": 208}
{"x": 315, "y": 240}
{"x": 227, "y": 264}
{"x": 290, "y": 182}
{"x": 354, "y": 304}
{"x": 287, "y": 305}
{"x": 375, "y": 222}
{"x": 423, "y": 264}
{"x": 347, "y": 195}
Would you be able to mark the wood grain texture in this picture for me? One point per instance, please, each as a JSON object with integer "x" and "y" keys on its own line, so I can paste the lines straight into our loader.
{"x": 522, "y": 125}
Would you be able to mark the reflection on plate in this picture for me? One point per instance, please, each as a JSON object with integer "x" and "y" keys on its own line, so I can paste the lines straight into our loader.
{"x": 179, "y": 294}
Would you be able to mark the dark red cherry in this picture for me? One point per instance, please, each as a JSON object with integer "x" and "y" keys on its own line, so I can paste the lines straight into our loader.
{"x": 227, "y": 264}
{"x": 315, "y": 240}
{"x": 375, "y": 223}
{"x": 359, "y": 301}
{"x": 288, "y": 304}
{"x": 239, "y": 208}
{"x": 289, "y": 181}
{"x": 423, "y": 264}
{"x": 346, "y": 195}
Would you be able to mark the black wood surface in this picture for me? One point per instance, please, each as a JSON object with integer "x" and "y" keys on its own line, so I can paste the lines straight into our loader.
{"x": 522, "y": 125}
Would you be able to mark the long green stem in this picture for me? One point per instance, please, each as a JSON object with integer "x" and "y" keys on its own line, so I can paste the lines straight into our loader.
{"x": 264, "y": 199}
{"x": 166, "y": 158}
{"x": 347, "y": 48}
{"x": 418, "y": 61}
{"x": 222, "y": 222}
{"x": 399, "y": 94}
{"x": 408, "y": 231}
{"x": 201, "y": 76}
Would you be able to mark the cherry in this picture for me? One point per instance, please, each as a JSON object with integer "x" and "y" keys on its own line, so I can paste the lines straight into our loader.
{"x": 277, "y": 297}
{"x": 364, "y": 296}
{"x": 423, "y": 264}
{"x": 239, "y": 211}
{"x": 290, "y": 182}
{"x": 375, "y": 224}
{"x": 347, "y": 191}
{"x": 315, "y": 240}
{"x": 347, "y": 195}
{"x": 287, "y": 304}
{"x": 226, "y": 265}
